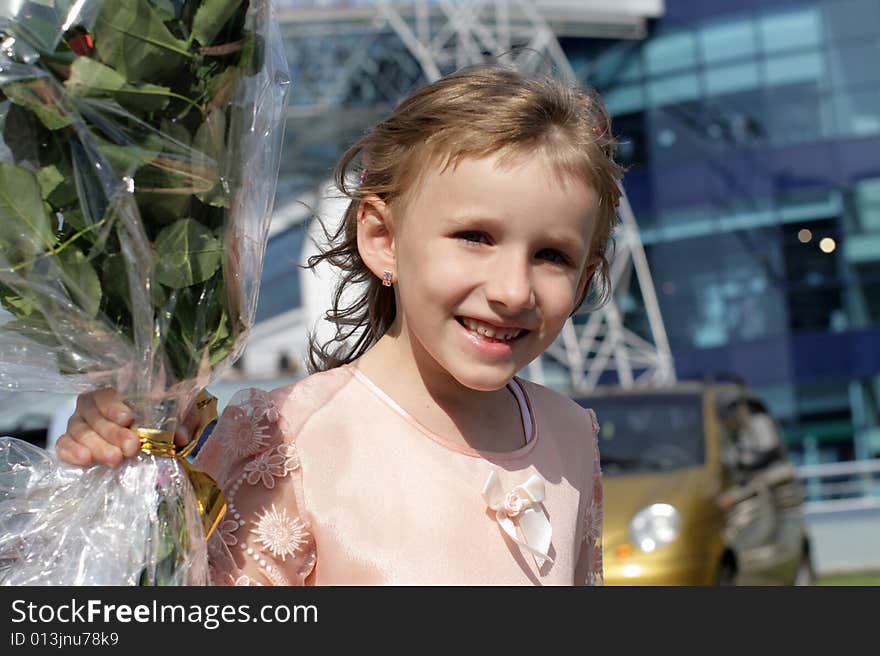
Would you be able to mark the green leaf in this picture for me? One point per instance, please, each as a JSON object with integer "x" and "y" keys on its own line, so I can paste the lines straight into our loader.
{"x": 187, "y": 253}
{"x": 41, "y": 98}
{"x": 173, "y": 172}
{"x": 36, "y": 328}
{"x": 125, "y": 160}
{"x": 175, "y": 131}
{"x": 80, "y": 280}
{"x": 25, "y": 225}
{"x": 252, "y": 54}
{"x": 162, "y": 209}
{"x": 221, "y": 343}
{"x": 90, "y": 79}
{"x": 19, "y": 306}
{"x": 174, "y": 175}
{"x": 15, "y": 303}
{"x": 211, "y": 17}
{"x": 210, "y": 140}
{"x": 114, "y": 273}
{"x": 164, "y": 9}
{"x": 221, "y": 86}
{"x": 49, "y": 178}
{"x": 58, "y": 189}
{"x": 131, "y": 36}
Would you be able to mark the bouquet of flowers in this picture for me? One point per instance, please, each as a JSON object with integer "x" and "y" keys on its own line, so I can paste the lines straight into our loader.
{"x": 140, "y": 149}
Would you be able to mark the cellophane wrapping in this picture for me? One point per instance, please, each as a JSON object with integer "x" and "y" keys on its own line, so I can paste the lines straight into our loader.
{"x": 140, "y": 149}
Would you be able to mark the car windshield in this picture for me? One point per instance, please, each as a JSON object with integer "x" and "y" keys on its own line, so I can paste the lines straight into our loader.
{"x": 648, "y": 433}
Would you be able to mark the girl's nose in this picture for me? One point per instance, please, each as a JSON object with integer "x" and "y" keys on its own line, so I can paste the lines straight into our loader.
{"x": 509, "y": 284}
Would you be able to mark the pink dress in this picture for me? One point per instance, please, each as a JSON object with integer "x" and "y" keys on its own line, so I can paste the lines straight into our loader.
{"x": 329, "y": 482}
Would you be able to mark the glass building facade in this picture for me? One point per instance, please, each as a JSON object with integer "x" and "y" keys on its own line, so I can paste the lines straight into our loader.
{"x": 752, "y": 135}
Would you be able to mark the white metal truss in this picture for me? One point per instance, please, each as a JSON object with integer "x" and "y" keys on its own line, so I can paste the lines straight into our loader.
{"x": 448, "y": 34}
{"x": 349, "y": 54}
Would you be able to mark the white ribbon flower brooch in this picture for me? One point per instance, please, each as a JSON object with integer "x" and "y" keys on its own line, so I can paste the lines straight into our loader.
{"x": 521, "y": 506}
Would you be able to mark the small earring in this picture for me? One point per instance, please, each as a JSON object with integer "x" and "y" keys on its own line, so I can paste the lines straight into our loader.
{"x": 386, "y": 279}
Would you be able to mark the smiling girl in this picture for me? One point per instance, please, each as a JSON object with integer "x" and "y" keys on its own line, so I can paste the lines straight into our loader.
{"x": 415, "y": 455}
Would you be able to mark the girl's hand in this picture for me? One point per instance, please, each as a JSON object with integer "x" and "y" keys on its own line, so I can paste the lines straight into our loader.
{"x": 97, "y": 432}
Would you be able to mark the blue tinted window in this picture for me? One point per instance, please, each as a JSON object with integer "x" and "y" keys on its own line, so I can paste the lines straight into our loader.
{"x": 845, "y": 19}
{"x": 855, "y": 63}
{"x": 797, "y": 114}
{"x": 802, "y": 67}
{"x": 723, "y": 287}
{"x": 728, "y": 40}
{"x": 680, "y": 132}
{"x": 670, "y": 52}
{"x": 615, "y": 66}
{"x": 858, "y": 112}
{"x": 625, "y": 99}
{"x": 676, "y": 88}
{"x": 792, "y": 29}
{"x": 739, "y": 120}
{"x": 864, "y": 249}
{"x": 280, "y": 287}
{"x": 801, "y": 204}
{"x": 630, "y": 130}
{"x": 684, "y": 223}
{"x": 867, "y": 202}
{"x": 727, "y": 79}
{"x": 813, "y": 281}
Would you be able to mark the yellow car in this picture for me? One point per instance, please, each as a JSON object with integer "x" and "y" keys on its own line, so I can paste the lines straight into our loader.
{"x": 698, "y": 489}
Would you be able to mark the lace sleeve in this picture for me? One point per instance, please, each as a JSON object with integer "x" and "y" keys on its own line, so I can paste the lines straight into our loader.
{"x": 265, "y": 537}
{"x": 589, "y": 567}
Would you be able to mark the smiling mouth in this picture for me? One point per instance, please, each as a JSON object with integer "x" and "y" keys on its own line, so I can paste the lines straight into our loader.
{"x": 490, "y": 332}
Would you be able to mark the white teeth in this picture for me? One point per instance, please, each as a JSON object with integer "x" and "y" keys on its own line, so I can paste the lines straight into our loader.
{"x": 490, "y": 331}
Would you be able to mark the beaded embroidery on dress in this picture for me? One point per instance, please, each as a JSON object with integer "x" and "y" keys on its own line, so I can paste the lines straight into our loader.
{"x": 593, "y": 517}
{"x": 262, "y": 538}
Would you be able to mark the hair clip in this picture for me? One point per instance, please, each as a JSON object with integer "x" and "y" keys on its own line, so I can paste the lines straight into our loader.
{"x": 363, "y": 176}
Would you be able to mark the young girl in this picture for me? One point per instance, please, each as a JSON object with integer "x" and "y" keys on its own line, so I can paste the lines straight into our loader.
{"x": 482, "y": 217}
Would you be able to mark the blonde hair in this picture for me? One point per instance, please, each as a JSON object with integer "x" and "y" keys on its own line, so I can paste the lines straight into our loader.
{"x": 473, "y": 113}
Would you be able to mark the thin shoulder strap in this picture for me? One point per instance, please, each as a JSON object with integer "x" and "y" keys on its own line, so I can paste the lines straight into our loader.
{"x": 526, "y": 415}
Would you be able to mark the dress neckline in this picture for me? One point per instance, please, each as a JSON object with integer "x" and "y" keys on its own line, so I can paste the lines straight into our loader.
{"x": 519, "y": 392}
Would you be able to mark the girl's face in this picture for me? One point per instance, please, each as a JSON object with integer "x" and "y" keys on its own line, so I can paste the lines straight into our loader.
{"x": 490, "y": 261}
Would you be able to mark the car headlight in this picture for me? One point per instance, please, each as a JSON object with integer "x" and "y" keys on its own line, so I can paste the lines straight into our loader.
{"x": 654, "y": 526}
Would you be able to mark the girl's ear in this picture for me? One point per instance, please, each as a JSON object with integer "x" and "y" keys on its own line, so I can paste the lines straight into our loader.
{"x": 375, "y": 236}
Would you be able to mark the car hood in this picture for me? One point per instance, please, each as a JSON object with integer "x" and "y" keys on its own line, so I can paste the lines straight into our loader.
{"x": 693, "y": 492}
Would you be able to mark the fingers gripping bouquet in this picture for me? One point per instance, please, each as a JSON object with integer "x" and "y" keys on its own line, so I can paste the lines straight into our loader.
{"x": 140, "y": 148}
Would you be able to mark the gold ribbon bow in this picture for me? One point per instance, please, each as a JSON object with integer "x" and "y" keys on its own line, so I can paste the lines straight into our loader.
{"x": 521, "y": 507}
{"x": 209, "y": 496}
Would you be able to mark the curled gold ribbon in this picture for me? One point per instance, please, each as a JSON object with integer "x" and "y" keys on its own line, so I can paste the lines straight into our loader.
{"x": 156, "y": 442}
{"x": 209, "y": 497}
{"x": 206, "y": 404}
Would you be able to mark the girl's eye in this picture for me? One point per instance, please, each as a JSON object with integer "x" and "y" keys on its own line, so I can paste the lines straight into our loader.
{"x": 474, "y": 236}
{"x": 552, "y": 255}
